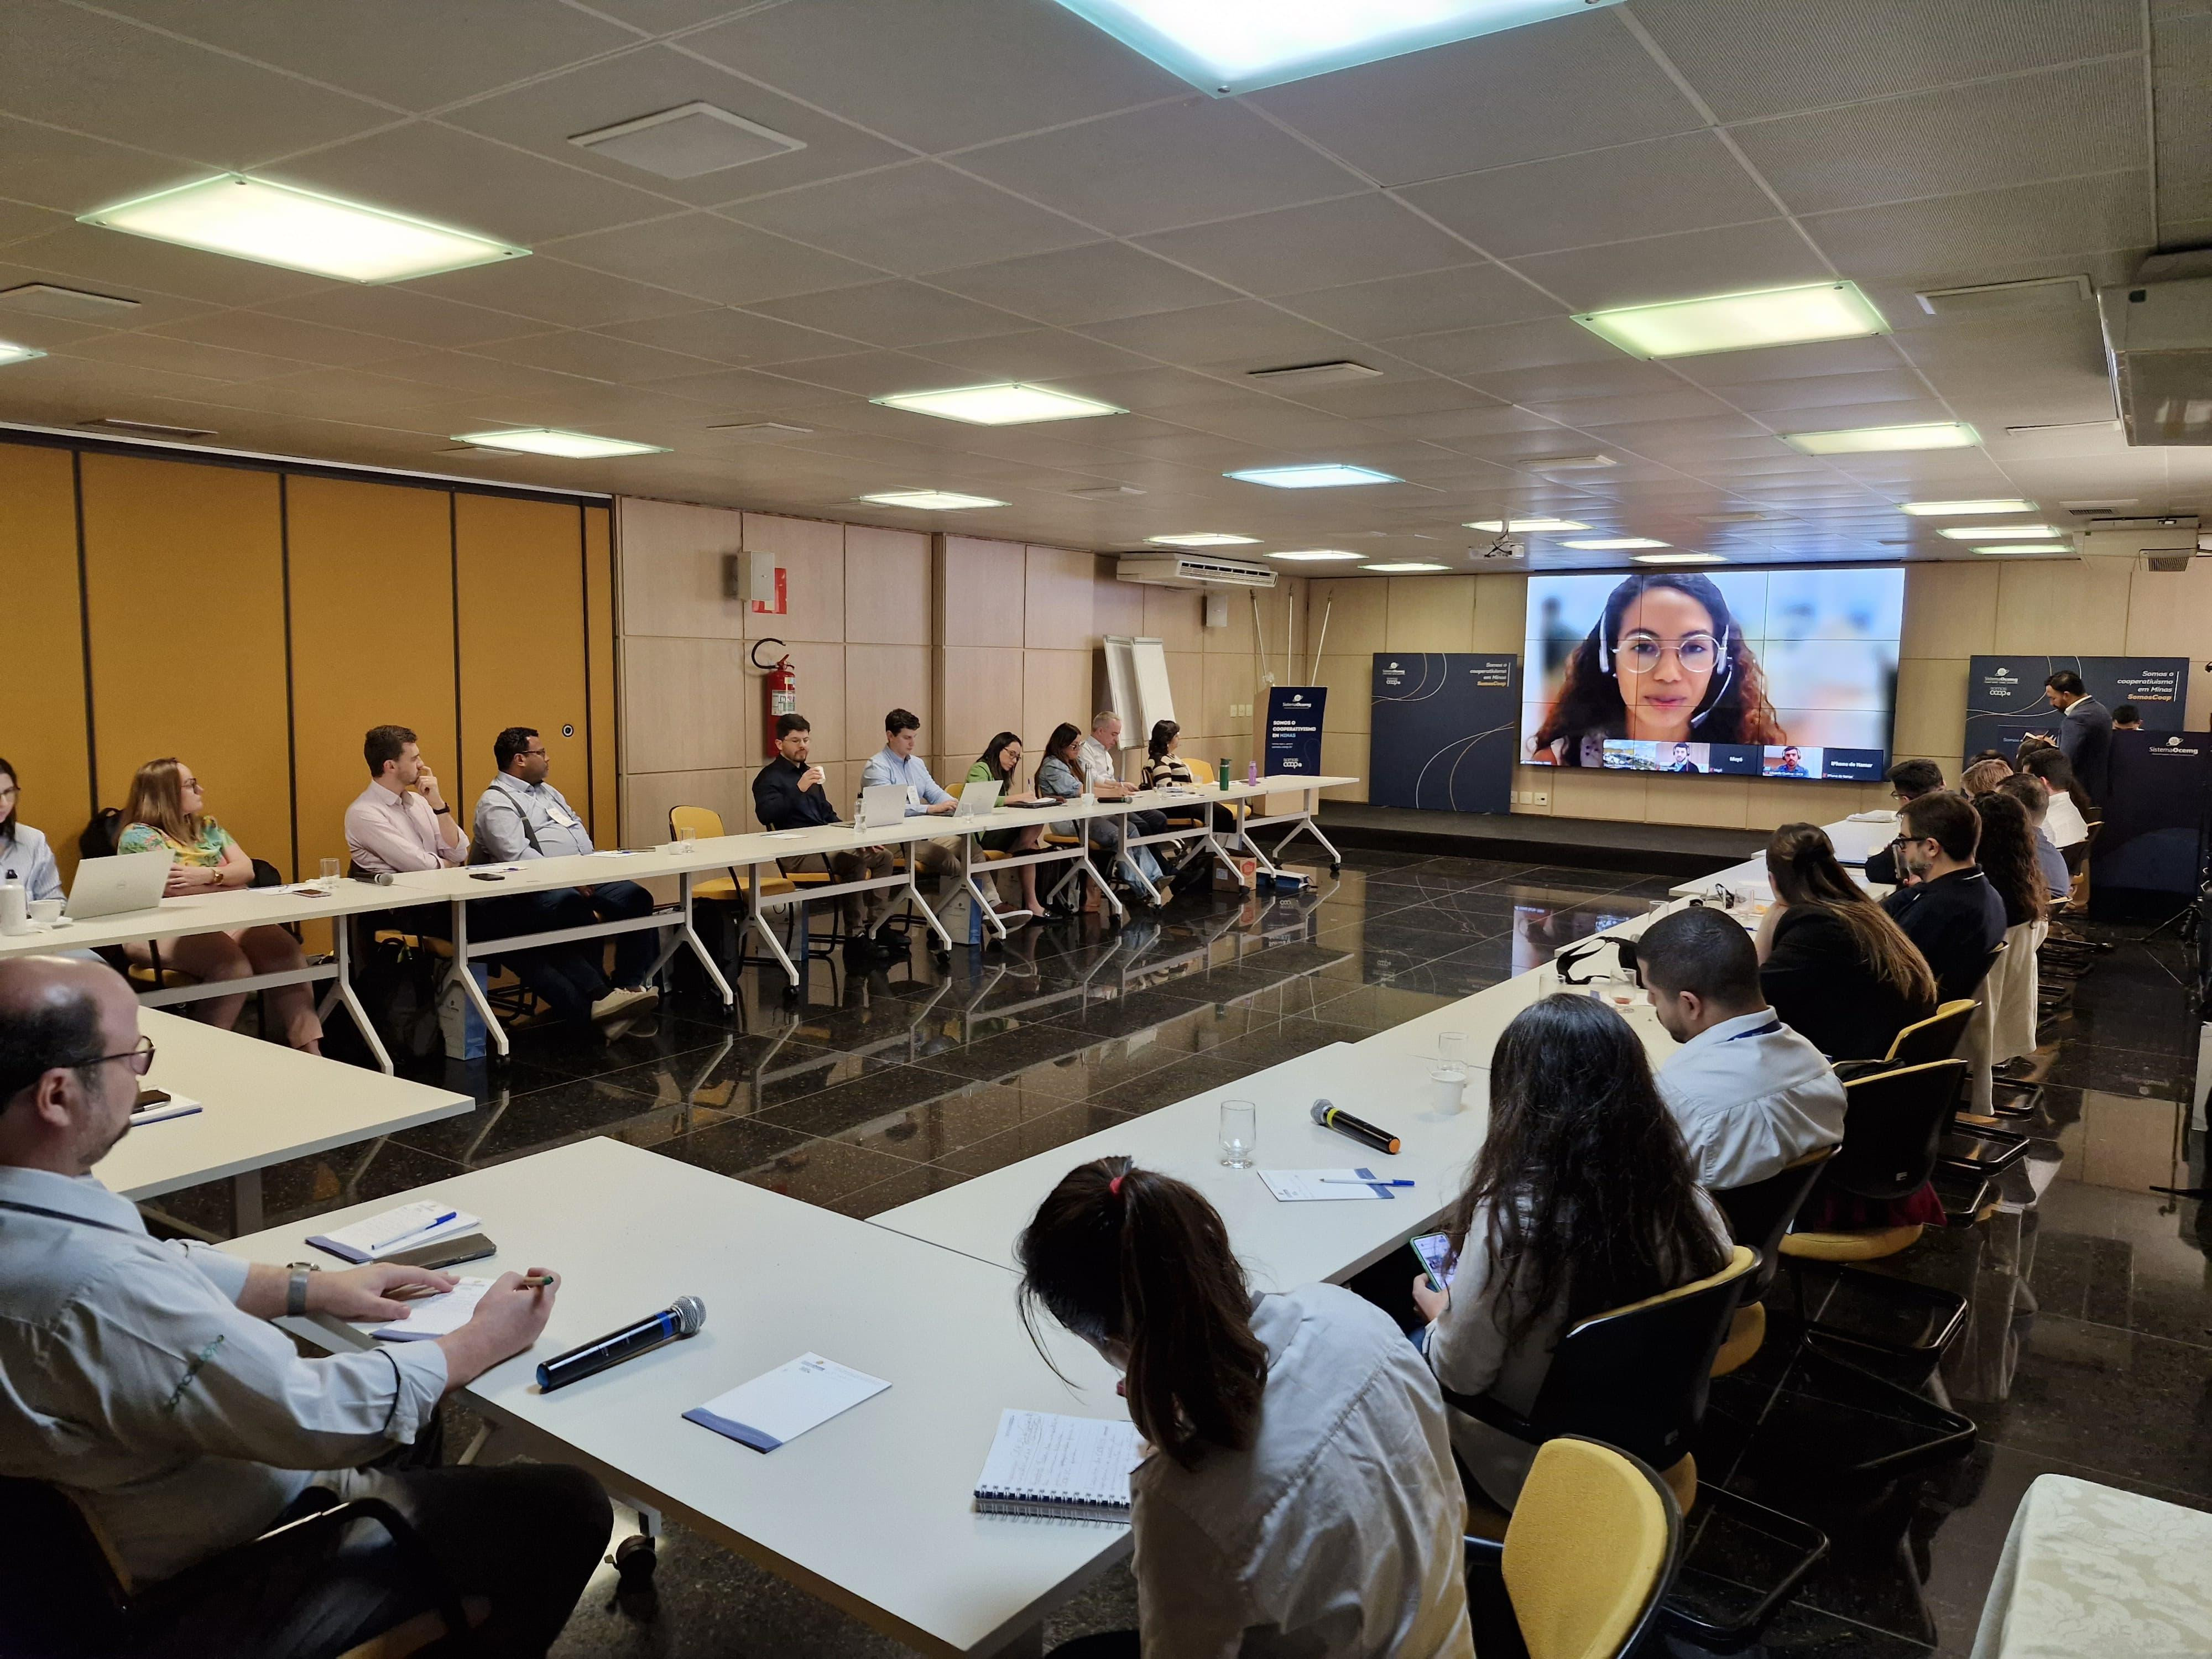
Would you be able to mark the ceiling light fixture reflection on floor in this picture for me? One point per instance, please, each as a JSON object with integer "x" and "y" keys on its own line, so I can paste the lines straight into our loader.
{"x": 1884, "y": 440}
{"x": 1007, "y": 403}
{"x": 1326, "y": 476}
{"x": 1230, "y": 46}
{"x": 1738, "y": 322}
{"x": 930, "y": 501}
{"x": 300, "y": 230}
{"x": 550, "y": 440}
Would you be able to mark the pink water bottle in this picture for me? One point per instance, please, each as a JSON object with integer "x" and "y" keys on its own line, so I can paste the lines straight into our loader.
{"x": 1252, "y": 772}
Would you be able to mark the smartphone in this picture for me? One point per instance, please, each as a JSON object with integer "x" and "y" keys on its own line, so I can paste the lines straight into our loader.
{"x": 469, "y": 1247}
{"x": 149, "y": 1098}
{"x": 1435, "y": 1251}
{"x": 484, "y": 875}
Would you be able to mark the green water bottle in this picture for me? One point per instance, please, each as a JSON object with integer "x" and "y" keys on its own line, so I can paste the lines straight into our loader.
{"x": 1221, "y": 773}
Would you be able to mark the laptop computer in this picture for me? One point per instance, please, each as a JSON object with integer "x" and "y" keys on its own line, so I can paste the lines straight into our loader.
{"x": 111, "y": 886}
{"x": 882, "y": 805}
{"x": 977, "y": 799}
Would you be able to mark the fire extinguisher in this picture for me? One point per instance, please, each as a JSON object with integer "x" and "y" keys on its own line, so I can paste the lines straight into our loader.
{"x": 783, "y": 683}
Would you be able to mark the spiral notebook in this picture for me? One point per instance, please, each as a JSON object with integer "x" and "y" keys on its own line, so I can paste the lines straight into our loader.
{"x": 1073, "y": 1467}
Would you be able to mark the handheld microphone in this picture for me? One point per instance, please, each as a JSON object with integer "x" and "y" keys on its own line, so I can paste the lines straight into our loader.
{"x": 679, "y": 1319}
{"x": 1330, "y": 1117}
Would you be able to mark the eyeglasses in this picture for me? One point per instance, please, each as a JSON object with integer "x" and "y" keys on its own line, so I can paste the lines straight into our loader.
{"x": 1696, "y": 652}
{"x": 193, "y": 784}
{"x": 141, "y": 1058}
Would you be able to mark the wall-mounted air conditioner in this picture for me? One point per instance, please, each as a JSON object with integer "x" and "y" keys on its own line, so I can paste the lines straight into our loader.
{"x": 1190, "y": 570}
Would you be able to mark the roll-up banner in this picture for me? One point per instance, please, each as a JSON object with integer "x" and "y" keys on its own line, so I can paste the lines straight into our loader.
{"x": 1443, "y": 731}
{"x": 1294, "y": 714}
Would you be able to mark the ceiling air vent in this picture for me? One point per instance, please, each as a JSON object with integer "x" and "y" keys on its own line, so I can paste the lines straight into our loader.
{"x": 2171, "y": 537}
{"x": 760, "y": 432}
{"x": 1302, "y": 374}
{"x": 687, "y": 141}
{"x": 1991, "y": 299}
{"x": 1189, "y": 570}
{"x": 49, "y": 300}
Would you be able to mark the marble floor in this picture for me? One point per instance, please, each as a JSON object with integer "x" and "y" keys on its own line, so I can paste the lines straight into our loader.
{"x": 2088, "y": 1349}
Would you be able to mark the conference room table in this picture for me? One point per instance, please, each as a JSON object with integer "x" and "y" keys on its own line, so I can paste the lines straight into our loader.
{"x": 1855, "y": 840}
{"x": 260, "y": 1103}
{"x": 871, "y": 1510}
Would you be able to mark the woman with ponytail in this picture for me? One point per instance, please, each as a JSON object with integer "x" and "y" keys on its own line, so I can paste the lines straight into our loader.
{"x": 1299, "y": 1496}
{"x": 1833, "y": 966}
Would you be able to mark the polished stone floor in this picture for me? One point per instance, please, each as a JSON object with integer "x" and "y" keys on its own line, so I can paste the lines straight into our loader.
{"x": 2089, "y": 1349}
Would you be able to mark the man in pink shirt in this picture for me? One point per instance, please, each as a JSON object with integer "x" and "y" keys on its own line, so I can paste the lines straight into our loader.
{"x": 401, "y": 822}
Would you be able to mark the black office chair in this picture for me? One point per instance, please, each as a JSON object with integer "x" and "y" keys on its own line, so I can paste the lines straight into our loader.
{"x": 64, "y": 1592}
{"x": 1936, "y": 1037}
{"x": 1758, "y": 1216}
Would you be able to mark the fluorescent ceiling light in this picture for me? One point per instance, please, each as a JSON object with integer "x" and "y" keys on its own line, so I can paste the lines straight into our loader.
{"x": 1960, "y": 509}
{"x": 2000, "y": 533}
{"x": 1328, "y": 476}
{"x": 1318, "y": 555}
{"x": 1612, "y": 545}
{"x": 1881, "y": 439}
{"x": 1524, "y": 526}
{"x": 1203, "y": 539}
{"x": 1009, "y": 403}
{"x": 930, "y": 501}
{"x": 11, "y": 353}
{"x": 2027, "y": 547}
{"x": 1226, "y": 47}
{"x": 1405, "y": 567}
{"x": 549, "y": 441}
{"x": 1736, "y": 322}
{"x": 1564, "y": 462}
{"x": 1679, "y": 558}
{"x": 300, "y": 230}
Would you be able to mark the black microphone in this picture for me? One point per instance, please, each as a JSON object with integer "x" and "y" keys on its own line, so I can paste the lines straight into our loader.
{"x": 680, "y": 1318}
{"x": 1330, "y": 1117}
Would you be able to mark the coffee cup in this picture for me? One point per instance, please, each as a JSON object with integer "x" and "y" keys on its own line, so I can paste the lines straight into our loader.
{"x": 46, "y": 912}
{"x": 1448, "y": 1087}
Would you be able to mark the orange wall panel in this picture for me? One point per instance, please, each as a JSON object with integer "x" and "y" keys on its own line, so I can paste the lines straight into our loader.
{"x": 45, "y": 732}
{"x": 185, "y": 599}
{"x": 371, "y": 640}
{"x": 522, "y": 638}
{"x": 599, "y": 608}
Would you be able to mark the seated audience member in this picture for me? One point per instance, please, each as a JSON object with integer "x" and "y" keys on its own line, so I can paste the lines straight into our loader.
{"x": 1949, "y": 910}
{"x": 1000, "y": 759}
{"x": 2071, "y": 810}
{"x": 1909, "y": 780}
{"x": 25, "y": 858}
{"x": 1832, "y": 964}
{"x": 1983, "y": 776}
{"x": 896, "y": 762}
{"x": 2050, "y": 862}
{"x": 1166, "y": 768}
{"x": 2007, "y": 855}
{"x": 2085, "y": 735}
{"x": 1058, "y": 777}
{"x": 165, "y": 810}
{"x": 1583, "y": 1199}
{"x": 2126, "y": 717}
{"x": 1098, "y": 759}
{"x": 1749, "y": 1094}
{"x": 1299, "y": 1496}
{"x": 144, "y": 1377}
{"x": 401, "y": 821}
{"x": 788, "y": 795}
{"x": 520, "y": 817}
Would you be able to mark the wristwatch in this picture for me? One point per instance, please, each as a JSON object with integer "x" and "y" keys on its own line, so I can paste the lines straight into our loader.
{"x": 296, "y": 1288}
{"x": 441, "y": 811}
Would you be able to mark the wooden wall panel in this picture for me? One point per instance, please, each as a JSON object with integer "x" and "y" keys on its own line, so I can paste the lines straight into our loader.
{"x": 521, "y": 635}
{"x": 604, "y": 813}
{"x": 45, "y": 731}
{"x": 356, "y": 665}
{"x": 185, "y": 579}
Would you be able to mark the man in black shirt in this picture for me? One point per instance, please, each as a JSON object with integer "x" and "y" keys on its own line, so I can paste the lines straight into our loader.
{"x": 788, "y": 795}
{"x": 1909, "y": 780}
{"x": 1950, "y": 911}
{"x": 2085, "y": 736}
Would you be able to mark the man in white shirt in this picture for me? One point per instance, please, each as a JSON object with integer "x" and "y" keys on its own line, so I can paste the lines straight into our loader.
{"x": 1752, "y": 1096}
{"x": 401, "y": 821}
{"x": 146, "y": 1379}
{"x": 1098, "y": 758}
{"x": 896, "y": 762}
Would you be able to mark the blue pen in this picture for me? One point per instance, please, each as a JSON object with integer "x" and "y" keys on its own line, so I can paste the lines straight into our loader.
{"x": 1339, "y": 1181}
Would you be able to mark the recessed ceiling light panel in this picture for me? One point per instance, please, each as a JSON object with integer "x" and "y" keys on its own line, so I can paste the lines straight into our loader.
{"x": 1964, "y": 509}
{"x": 1010, "y": 403}
{"x": 11, "y": 353}
{"x": 300, "y": 230}
{"x": 1524, "y": 526}
{"x": 2028, "y": 547}
{"x": 685, "y": 142}
{"x": 1738, "y": 322}
{"x": 1203, "y": 539}
{"x": 1405, "y": 567}
{"x": 2000, "y": 533}
{"x": 1318, "y": 555}
{"x": 930, "y": 501}
{"x": 550, "y": 440}
{"x": 1230, "y": 46}
{"x": 1326, "y": 476}
{"x": 1679, "y": 558}
{"x": 1612, "y": 545}
{"x": 1884, "y": 440}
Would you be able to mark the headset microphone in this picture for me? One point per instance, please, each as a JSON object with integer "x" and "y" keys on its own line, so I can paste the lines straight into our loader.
{"x": 679, "y": 1319}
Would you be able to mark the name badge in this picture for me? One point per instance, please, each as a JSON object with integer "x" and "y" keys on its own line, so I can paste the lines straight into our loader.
{"x": 560, "y": 818}
{"x": 913, "y": 795}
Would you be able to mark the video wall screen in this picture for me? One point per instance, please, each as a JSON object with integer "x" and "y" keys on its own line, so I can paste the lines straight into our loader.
{"x": 1755, "y": 673}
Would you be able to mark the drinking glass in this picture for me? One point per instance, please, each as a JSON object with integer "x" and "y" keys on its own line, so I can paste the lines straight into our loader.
{"x": 330, "y": 869}
{"x": 687, "y": 835}
{"x": 1451, "y": 1048}
{"x": 1238, "y": 1134}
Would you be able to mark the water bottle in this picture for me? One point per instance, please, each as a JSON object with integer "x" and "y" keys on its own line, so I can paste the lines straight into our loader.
{"x": 1222, "y": 772}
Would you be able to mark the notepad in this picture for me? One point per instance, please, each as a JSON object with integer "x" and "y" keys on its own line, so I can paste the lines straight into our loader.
{"x": 440, "y": 1314}
{"x": 406, "y": 1228}
{"x": 175, "y": 1106}
{"x": 1324, "y": 1186}
{"x": 1074, "y": 1468}
{"x": 786, "y": 1402}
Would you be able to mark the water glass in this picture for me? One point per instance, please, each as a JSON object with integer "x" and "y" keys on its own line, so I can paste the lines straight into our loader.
{"x": 1239, "y": 1135}
{"x": 1451, "y": 1048}
{"x": 331, "y": 869}
{"x": 687, "y": 835}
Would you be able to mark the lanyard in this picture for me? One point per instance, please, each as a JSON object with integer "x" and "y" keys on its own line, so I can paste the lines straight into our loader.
{"x": 63, "y": 1215}
{"x": 1772, "y": 1025}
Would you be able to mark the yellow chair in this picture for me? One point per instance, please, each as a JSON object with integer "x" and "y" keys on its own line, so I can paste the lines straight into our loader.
{"x": 1586, "y": 1563}
{"x": 1936, "y": 1037}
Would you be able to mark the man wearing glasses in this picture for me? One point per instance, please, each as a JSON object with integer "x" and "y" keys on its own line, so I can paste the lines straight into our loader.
{"x": 145, "y": 1378}
{"x": 1950, "y": 909}
{"x": 1909, "y": 780}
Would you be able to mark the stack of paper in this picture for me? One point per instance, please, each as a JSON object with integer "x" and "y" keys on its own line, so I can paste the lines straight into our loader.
{"x": 1324, "y": 1186}
{"x": 787, "y": 1401}
{"x": 1077, "y": 1468}
{"x": 176, "y": 1105}
{"x": 436, "y": 1315}
{"x": 408, "y": 1227}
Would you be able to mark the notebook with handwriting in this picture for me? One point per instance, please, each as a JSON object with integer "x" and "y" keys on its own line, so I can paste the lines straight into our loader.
{"x": 1075, "y": 1467}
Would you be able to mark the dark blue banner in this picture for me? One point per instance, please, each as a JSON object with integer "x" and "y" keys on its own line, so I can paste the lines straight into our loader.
{"x": 2005, "y": 701}
{"x": 1444, "y": 731}
{"x": 2147, "y": 849}
{"x": 1294, "y": 730}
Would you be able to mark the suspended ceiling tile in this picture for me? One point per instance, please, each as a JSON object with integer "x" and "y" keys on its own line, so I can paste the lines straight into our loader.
{"x": 107, "y": 261}
{"x": 552, "y": 290}
{"x": 1683, "y": 266}
{"x": 1094, "y": 283}
{"x": 711, "y": 258}
{"x": 726, "y": 335}
{"x": 916, "y": 218}
{"x": 1912, "y": 241}
{"x": 1468, "y": 354}
{"x": 596, "y": 356}
{"x": 1043, "y": 354}
{"x": 1468, "y": 296}
{"x": 404, "y": 315}
{"x": 1322, "y": 244}
{"x": 1245, "y": 333}
{"x": 893, "y": 313}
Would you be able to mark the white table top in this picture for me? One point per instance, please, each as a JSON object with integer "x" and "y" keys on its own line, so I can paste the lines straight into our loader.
{"x": 871, "y": 1510}
{"x": 1855, "y": 842}
{"x": 204, "y": 912}
{"x": 261, "y": 1104}
{"x": 1281, "y": 1245}
{"x": 2092, "y": 1572}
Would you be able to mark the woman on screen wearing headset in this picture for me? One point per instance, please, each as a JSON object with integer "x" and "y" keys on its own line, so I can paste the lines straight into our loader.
{"x": 1666, "y": 664}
